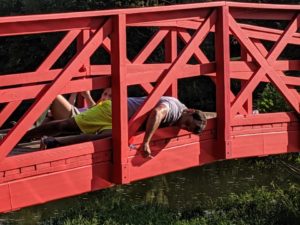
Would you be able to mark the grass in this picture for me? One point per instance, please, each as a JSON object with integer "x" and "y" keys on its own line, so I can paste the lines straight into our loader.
{"x": 260, "y": 206}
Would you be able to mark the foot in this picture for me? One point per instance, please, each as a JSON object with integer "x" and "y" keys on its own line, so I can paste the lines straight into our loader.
{"x": 48, "y": 142}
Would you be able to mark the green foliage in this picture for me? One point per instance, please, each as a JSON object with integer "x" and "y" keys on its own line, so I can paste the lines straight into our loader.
{"x": 271, "y": 101}
{"x": 258, "y": 207}
{"x": 21, "y": 7}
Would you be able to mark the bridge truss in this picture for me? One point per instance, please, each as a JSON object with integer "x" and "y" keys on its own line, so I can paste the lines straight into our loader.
{"x": 236, "y": 132}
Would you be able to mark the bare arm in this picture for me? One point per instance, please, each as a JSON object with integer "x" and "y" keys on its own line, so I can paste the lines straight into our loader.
{"x": 154, "y": 120}
{"x": 87, "y": 96}
{"x": 72, "y": 98}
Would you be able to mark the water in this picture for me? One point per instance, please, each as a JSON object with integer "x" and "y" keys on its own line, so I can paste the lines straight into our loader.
{"x": 180, "y": 190}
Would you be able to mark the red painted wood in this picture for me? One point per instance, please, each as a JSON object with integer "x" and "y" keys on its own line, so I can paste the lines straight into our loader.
{"x": 8, "y": 110}
{"x": 265, "y": 144}
{"x": 265, "y": 66}
{"x": 223, "y": 83}
{"x": 173, "y": 159}
{"x": 248, "y": 106}
{"x": 59, "y": 49}
{"x": 82, "y": 39}
{"x": 281, "y": 7}
{"x": 171, "y": 47}
{"x": 16, "y": 94}
{"x": 151, "y": 72}
{"x": 150, "y": 46}
{"x": 5, "y": 198}
{"x": 264, "y": 118}
{"x": 168, "y": 77}
{"x": 42, "y": 176}
{"x": 62, "y": 153}
{"x": 200, "y": 56}
{"x": 119, "y": 107}
{"x": 41, "y": 189}
{"x": 47, "y": 97}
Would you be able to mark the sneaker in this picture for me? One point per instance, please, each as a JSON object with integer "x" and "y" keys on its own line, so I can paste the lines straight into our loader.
{"x": 48, "y": 142}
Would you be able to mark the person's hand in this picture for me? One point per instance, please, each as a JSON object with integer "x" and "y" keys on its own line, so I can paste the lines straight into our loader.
{"x": 146, "y": 151}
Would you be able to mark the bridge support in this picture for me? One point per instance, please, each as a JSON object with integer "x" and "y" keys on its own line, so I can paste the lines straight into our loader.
{"x": 223, "y": 83}
{"x": 119, "y": 100}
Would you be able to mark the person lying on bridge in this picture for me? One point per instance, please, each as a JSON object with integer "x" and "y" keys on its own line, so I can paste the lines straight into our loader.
{"x": 61, "y": 108}
{"x": 96, "y": 122}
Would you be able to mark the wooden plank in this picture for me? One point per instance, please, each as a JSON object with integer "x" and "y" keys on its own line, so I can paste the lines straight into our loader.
{"x": 8, "y": 109}
{"x": 178, "y": 14}
{"x": 248, "y": 106}
{"x": 262, "y": 14}
{"x": 223, "y": 83}
{"x": 5, "y": 198}
{"x": 264, "y": 118}
{"x": 173, "y": 159}
{"x": 44, "y": 188}
{"x": 119, "y": 102}
{"x": 47, "y": 156}
{"x": 36, "y": 77}
{"x": 47, "y": 96}
{"x": 150, "y": 46}
{"x": 169, "y": 77}
{"x": 32, "y": 91}
{"x": 279, "y": 65}
{"x": 265, "y": 144}
{"x": 98, "y": 13}
{"x": 30, "y": 26}
{"x": 58, "y": 51}
{"x": 152, "y": 72}
{"x": 265, "y": 67}
{"x": 265, "y": 33}
{"x": 279, "y": 7}
{"x": 190, "y": 23}
{"x": 200, "y": 56}
{"x": 171, "y": 47}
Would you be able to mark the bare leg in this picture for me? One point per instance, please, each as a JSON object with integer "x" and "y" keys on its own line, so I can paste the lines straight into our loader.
{"x": 82, "y": 138}
{"x": 61, "y": 108}
{"x": 53, "y": 128}
{"x": 50, "y": 142}
{"x": 88, "y": 98}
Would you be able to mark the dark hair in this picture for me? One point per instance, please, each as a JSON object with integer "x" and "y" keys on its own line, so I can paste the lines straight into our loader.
{"x": 199, "y": 116}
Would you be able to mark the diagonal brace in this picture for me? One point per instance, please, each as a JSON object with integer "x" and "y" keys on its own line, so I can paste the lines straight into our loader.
{"x": 47, "y": 95}
{"x": 167, "y": 78}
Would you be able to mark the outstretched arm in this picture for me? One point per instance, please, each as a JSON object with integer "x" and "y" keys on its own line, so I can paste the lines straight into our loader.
{"x": 154, "y": 120}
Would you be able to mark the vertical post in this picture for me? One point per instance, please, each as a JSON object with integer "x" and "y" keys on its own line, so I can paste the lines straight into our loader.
{"x": 222, "y": 51}
{"x": 170, "y": 56}
{"x": 82, "y": 38}
{"x": 119, "y": 100}
{"x": 248, "y": 104}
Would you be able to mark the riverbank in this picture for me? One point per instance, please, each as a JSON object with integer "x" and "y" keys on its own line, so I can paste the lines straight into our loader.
{"x": 258, "y": 207}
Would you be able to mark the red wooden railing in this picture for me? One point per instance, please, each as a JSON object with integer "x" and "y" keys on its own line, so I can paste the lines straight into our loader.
{"x": 42, "y": 176}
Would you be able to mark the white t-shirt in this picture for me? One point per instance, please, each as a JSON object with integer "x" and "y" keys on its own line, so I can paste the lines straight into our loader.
{"x": 175, "y": 108}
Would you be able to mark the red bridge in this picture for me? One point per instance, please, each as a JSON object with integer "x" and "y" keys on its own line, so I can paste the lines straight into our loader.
{"x": 41, "y": 176}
